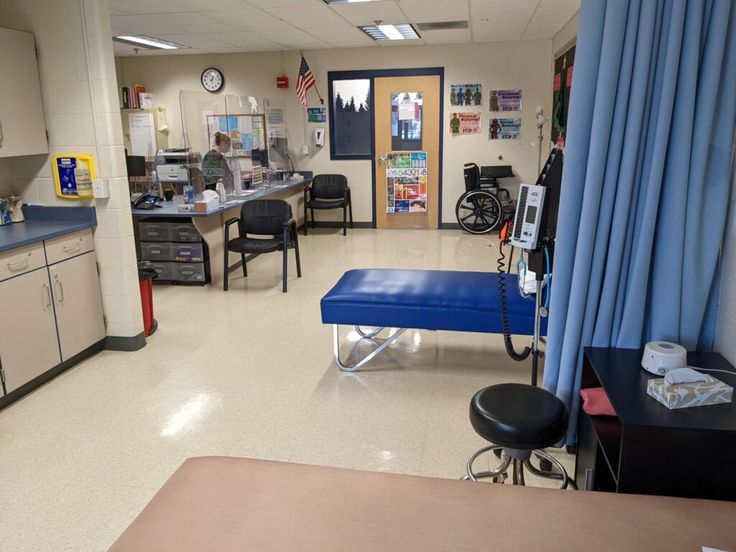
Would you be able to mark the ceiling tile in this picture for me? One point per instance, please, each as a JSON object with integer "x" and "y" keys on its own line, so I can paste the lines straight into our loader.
{"x": 282, "y": 3}
{"x": 366, "y": 13}
{"x": 344, "y": 33}
{"x": 251, "y": 19}
{"x": 308, "y": 16}
{"x": 501, "y": 8}
{"x": 484, "y": 31}
{"x": 203, "y": 5}
{"x": 421, "y": 11}
{"x": 449, "y": 36}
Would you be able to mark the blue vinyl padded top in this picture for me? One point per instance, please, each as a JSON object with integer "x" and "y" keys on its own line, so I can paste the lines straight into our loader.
{"x": 427, "y": 299}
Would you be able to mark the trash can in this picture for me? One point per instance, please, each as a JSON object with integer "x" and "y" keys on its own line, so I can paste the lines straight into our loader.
{"x": 146, "y": 274}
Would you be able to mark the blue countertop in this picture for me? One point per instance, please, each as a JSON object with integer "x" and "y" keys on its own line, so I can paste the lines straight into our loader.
{"x": 44, "y": 223}
{"x": 173, "y": 208}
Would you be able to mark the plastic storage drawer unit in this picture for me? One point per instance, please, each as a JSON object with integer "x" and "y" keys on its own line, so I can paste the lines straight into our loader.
{"x": 155, "y": 251}
{"x": 187, "y": 252}
{"x": 189, "y": 272}
{"x": 184, "y": 232}
{"x": 154, "y": 231}
{"x": 165, "y": 271}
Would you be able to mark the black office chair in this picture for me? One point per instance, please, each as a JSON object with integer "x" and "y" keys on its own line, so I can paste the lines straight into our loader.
{"x": 263, "y": 217}
{"x": 328, "y": 191}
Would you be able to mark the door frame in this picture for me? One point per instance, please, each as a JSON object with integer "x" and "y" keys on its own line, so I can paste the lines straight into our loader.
{"x": 372, "y": 74}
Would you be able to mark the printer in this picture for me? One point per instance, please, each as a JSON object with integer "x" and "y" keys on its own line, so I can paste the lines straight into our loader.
{"x": 175, "y": 166}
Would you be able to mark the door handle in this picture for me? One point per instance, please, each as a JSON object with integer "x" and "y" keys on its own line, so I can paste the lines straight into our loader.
{"x": 71, "y": 249}
{"x": 47, "y": 293}
{"x": 60, "y": 288}
{"x": 382, "y": 159}
{"x": 2, "y": 136}
{"x": 18, "y": 265}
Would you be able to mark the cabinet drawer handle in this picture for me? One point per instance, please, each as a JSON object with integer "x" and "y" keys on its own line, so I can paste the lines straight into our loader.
{"x": 47, "y": 293}
{"x": 71, "y": 249}
{"x": 18, "y": 265}
{"x": 60, "y": 289}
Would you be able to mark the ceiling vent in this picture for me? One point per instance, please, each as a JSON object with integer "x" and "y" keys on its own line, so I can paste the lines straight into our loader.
{"x": 442, "y": 25}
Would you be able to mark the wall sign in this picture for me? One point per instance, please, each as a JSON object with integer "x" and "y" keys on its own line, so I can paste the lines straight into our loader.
{"x": 465, "y": 123}
{"x": 317, "y": 114}
{"x": 466, "y": 94}
{"x": 505, "y": 100}
{"x": 406, "y": 182}
{"x": 504, "y": 129}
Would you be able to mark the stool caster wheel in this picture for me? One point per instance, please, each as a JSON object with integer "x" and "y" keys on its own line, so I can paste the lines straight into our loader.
{"x": 500, "y": 479}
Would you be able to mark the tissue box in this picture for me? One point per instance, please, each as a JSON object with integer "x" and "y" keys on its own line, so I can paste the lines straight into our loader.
{"x": 685, "y": 395}
{"x": 205, "y": 206}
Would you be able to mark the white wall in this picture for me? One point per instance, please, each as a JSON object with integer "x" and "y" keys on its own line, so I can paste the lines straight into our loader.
{"x": 566, "y": 33}
{"x": 496, "y": 65}
{"x": 726, "y": 325}
{"x": 79, "y": 88}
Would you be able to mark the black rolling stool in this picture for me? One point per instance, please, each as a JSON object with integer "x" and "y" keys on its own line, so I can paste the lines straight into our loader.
{"x": 519, "y": 420}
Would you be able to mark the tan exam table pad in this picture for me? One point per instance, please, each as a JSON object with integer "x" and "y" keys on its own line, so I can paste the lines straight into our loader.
{"x": 236, "y": 504}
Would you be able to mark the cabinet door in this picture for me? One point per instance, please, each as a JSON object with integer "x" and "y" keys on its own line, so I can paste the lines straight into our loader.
{"x": 76, "y": 289}
{"x": 22, "y": 126}
{"x": 28, "y": 342}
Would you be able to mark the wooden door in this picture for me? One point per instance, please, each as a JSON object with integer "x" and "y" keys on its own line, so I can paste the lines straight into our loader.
{"x": 399, "y": 104}
{"x": 76, "y": 289}
{"x": 28, "y": 343}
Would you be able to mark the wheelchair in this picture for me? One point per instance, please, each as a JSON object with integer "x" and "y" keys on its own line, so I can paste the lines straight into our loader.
{"x": 484, "y": 206}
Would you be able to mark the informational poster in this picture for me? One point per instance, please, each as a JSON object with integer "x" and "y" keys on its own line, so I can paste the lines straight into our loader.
{"x": 466, "y": 94}
{"x": 317, "y": 114}
{"x": 504, "y": 129}
{"x": 408, "y": 111}
{"x": 276, "y": 122}
{"x": 505, "y": 100}
{"x": 406, "y": 182}
{"x": 245, "y": 131}
{"x": 465, "y": 123}
{"x": 142, "y": 134}
{"x": 561, "y": 87}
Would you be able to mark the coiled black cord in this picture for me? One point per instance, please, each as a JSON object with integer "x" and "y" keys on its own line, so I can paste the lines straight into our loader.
{"x": 505, "y": 325}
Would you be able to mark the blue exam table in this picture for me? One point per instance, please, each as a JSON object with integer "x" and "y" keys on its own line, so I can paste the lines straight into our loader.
{"x": 423, "y": 299}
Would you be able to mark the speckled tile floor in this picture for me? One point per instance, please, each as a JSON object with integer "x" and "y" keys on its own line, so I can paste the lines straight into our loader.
{"x": 246, "y": 373}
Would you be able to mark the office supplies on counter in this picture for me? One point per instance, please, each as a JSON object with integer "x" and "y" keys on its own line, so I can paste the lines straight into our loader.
{"x": 15, "y": 207}
{"x": 209, "y": 202}
{"x": 662, "y": 356}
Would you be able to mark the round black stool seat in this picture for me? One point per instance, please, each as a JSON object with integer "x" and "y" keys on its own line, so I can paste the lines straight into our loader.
{"x": 518, "y": 416}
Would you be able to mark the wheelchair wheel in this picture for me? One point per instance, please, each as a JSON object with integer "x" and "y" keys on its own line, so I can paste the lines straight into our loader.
{"x": 478, "y": 211}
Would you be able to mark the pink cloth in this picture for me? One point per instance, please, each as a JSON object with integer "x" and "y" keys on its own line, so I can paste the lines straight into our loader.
{"x": 596, "y": 402}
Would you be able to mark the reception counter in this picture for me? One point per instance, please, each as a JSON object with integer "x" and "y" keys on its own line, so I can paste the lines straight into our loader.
{"x": 210, "y": 225}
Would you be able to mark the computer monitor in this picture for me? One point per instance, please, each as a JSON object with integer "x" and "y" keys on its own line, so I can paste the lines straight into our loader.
{"x": 136, "y": 165}
{"x": 260, "y": 156}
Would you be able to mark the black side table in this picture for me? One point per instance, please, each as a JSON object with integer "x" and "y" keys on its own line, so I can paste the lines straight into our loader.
{"x": 647, "y": 448}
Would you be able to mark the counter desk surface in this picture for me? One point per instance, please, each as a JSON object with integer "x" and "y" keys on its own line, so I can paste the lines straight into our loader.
{"x": 172, "y": 209}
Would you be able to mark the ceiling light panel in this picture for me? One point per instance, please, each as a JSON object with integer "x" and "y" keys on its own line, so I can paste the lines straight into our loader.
{"x": 149, "y": 42}
{"x": 403, "y": 31}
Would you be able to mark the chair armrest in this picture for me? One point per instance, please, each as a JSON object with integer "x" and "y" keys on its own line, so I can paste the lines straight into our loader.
{"x": 228, "y": 224}
{"x": 290, "y": 222}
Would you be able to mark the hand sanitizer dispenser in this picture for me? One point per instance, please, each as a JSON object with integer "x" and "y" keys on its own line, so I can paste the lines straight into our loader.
{"x": 319, "y": 137}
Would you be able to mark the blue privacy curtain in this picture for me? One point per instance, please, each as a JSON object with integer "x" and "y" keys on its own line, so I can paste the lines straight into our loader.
{"x": 645, "y": 185}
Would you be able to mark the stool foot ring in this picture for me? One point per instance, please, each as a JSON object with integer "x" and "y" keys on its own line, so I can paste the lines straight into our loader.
{"x": 364, "y": 335}
{"x": 517, "y": 466}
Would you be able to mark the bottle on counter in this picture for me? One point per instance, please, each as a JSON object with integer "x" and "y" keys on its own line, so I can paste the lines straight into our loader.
{"x": 220, "y": 189}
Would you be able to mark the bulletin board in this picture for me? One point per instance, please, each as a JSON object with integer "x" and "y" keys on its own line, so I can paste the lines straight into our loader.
{"x": 406, "y": 182}
{"x": 247, "y": 132}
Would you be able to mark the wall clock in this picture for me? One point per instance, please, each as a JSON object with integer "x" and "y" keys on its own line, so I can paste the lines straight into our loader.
{"x": 212, "y": 79}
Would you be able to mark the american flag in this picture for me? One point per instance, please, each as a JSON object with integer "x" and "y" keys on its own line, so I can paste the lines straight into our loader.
{"x": 304, "y": 82}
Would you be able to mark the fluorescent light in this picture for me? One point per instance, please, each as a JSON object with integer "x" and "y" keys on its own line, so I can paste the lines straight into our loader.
{"x": 149, "y": 42}
{"x": 347, "y": 1}
{"x": 404, "y": 31}
{"x": 391, "y": 32}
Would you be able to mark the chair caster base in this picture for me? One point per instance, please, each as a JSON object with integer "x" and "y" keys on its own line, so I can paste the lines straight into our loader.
{"x": 549, "y": 467}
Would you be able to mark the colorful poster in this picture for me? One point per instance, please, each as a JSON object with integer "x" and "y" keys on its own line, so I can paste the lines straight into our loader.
{"x": 504, "y": 129}
{"x": 465, "y": 123}
{"x": 465, "y": 94}
{"x": 406, "y": 182}
{"x": 505, "y": 100}
{"x": 317, "y": 114}
{"x": 561, "y": 86}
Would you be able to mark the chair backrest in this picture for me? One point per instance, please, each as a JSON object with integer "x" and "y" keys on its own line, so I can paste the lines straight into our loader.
{"x": 264, "y": 216}
{"x": 329, "y": 186}
{"x": 471, "y": 172}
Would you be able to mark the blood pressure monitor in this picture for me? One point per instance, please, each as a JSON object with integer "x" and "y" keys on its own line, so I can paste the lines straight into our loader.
{"x": 528, "y": 218}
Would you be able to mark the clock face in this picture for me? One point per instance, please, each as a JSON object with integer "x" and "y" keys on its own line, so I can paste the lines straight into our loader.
{"x": 212, "y": 79}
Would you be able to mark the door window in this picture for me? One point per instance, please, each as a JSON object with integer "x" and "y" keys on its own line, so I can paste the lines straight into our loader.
{"x": 406, "y": 121}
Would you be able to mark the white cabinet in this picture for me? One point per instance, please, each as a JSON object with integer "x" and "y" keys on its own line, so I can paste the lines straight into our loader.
{"x": 22, "y": 126}
{"x": 78, "y": 304}
{"x": 28, "y": 342}
{"x": 48, "y": 314}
